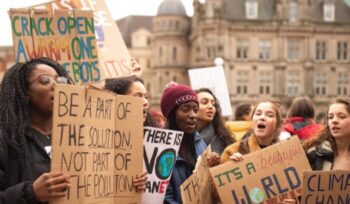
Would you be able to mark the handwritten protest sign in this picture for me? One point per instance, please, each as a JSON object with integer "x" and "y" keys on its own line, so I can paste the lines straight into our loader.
{"x": 113, "y": 55}
{"x": 66, "y": 37}
{"x": 160, "y": 151}
{"x": 94, "y": 142}
{"x": 198, "y": 187}
{"x": 326, "y": 187}
{"x": 22, "y": 34}
{"x": 276, "y": 171}
{"x": 204, "y": 78}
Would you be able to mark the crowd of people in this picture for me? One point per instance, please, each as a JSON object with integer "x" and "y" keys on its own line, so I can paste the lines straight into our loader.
{"x": 26, "y": 111}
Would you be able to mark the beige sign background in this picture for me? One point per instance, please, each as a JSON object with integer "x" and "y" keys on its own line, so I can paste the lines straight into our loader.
{"x": 266, "y": 176}
{"x": 96, "y": 139}
{"x": 198, "y": 187}
{"x": 326, "y": 187}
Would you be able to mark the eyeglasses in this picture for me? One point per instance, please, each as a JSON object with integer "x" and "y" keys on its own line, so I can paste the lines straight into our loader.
{"x": 46, "y": 80}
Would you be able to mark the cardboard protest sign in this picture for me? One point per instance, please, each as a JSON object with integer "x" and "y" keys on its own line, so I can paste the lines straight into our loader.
{"x": 96, "y": 140}
{"x": 22, "y": 34}
{"x": 161, "y": 147}
{"x": 326, "y": 187}
{"x": 113, "y": 55}
{"x": 198, "y": 187}
{"x": 266, "y": 176}
{"x": 66, "y": 37}
{"x": 214, "y": 79}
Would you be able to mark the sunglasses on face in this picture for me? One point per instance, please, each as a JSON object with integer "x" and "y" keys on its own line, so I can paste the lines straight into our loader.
{"x": 46, "y": 80}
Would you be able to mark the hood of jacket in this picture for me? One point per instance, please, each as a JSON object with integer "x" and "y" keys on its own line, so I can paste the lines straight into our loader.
{"x": 305, "y": 128}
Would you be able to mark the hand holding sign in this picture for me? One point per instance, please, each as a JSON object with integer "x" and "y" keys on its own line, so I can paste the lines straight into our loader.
{"x": 288, "y": 201}
{"x": 236, "y": 157}
{"x": 140, "y": 181}
{"x": 51, "y": 185}
{"x": 213, "y": 159}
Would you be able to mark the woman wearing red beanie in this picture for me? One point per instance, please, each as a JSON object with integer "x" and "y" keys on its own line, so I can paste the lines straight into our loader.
{"x": 179, "y": 104}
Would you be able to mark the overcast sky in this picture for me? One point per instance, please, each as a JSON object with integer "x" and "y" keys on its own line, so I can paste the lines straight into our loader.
{"x": 118, "y": 9}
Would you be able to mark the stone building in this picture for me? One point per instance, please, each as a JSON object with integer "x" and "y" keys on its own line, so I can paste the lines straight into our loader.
{"x": 272, "y": 49}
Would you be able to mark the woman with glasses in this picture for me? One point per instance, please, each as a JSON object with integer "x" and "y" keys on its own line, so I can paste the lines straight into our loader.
{"x": 26, "y": 109}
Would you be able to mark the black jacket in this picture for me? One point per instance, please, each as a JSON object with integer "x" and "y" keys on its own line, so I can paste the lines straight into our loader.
{"x": 17, "y": 173}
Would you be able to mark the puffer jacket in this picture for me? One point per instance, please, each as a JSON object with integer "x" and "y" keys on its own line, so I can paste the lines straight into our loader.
{"x": 17, "y": 173}
{"x": 181, "y": 173}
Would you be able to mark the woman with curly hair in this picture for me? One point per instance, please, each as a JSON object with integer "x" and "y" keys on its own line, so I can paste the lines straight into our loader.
{"x": 210, "y": 123}
{"x": 26, "y": 109}
{"x": 330, "y": 149}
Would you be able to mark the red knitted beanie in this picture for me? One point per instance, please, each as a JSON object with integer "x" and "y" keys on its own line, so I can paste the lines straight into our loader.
{"x": 175, "y": 95}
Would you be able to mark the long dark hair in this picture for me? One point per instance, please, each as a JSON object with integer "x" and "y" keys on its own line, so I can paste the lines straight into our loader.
{"x": 325, "y": 134}
{"x": 218, "y": 121}
{"x": 14, "y": 100}
{"x": 121, "y": 86}
{"x": 188, "y": 154}
{"x": 302, "y": 107}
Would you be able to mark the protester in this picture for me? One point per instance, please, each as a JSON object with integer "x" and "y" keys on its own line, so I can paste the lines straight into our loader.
{"x": 26, "y": 108}
{"x": 300, "y": 120}
{"x": 321, "y": 118}
{"x": 179, "y": 104}
{"x": 132, "y": 86}
{"x": 266, "y": 124}
{"x": 330, "y": 149}
{"x": 159, "y": 119}
{"x": 210, "y": 123}
{"x": 242, "y": 123}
